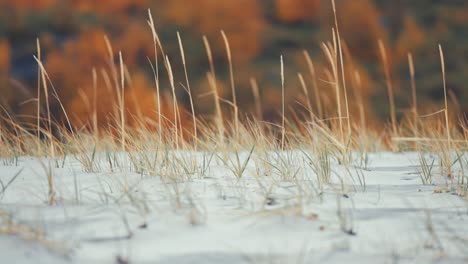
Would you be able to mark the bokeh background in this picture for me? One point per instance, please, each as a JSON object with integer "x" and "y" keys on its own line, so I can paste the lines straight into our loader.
{"x": 71, "y": 33}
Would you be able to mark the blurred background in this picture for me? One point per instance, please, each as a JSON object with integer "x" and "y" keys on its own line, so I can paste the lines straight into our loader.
{"x": 71, "y": 33}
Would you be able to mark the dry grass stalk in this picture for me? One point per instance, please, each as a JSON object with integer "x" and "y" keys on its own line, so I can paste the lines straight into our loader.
{"x": 447, "y": 124}
{"x": 283, "y": 129}
{"x": 258, "y": 102}
{"x": 174, "y": 102}
{"x": 391, "y": 97}
{"x": 233, "y": 87}
{"x": 156, "y": 43}
{"x": 211, "y": 76}
{"x": 122, "y": 103}
{"x": 341, "y": 62}
{"x": 94, "y": 117}
{"x": 331, "y": 57}
{"x": 38, "y": 124}
{"x": 360, "y": 101}
{"x": 194, "y": 118}
{"x": 313, "y": 76}
{"x": 414, "y": 106}
{"x": 306, "y": 93}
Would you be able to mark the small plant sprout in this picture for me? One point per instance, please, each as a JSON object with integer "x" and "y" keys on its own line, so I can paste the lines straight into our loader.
{"x": 426, "y": 167}
{"x": 236, "y": 164}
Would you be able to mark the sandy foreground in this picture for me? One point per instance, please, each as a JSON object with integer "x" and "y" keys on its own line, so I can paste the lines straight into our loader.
{"x": 201, "y": 212}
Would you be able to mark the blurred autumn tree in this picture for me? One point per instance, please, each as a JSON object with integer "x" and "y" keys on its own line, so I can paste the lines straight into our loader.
{"x": 101, "y": 7}
{"x": 4, "y": 56}
{"x": 296, "y": 11}
{"x": 91, "y": 52}
{"x": 72, "y": 40}
{"x": 26, "y": 5}
{"x": 4, "y": 70}
{"x": 106, "y": 7}
{"x": 242, "y": 20}
{"x": 13, "y": 93}
{"x": 361, "y": 26}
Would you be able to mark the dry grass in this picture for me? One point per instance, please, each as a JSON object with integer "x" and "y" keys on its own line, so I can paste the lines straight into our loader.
{"x": 322, "y": 135}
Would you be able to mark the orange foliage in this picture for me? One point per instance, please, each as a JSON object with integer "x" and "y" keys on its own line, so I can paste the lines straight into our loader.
{"x": 12, "y": 93}
{"x": 356, "y": 74}
{"x": 140, "y": 104}
{"x": 461, "y": 16}
{"x": 242, "y": 20}
{"x": 293, "y": 11}
{"x": 135, "y": 43}
{"x": 4, "y": 56}
{"x": 101, "y": 7}
{"x": 29, "y": 4}
{"x": 71, "y": 65}
{"x": 70, "y": 70}
{"x": 106, "y": 7}
{"x": 412, "y": 37}
{"x": 5, "y": 90}
{"x": 360, "y": 27}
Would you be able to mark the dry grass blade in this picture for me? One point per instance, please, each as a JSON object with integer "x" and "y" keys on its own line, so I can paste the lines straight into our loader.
{"x": 5, "y": 186}
{"x": 194, "y": 118}
{"x": 258, "y": 103}
{"x": 233, "y": 87}
{"x": 447, "y": 125}
{"x": 312, "y": 72}
{"x": 283, "y": 128}
{"x": 413, "y": 94}
{"x": 391, "y": 97}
